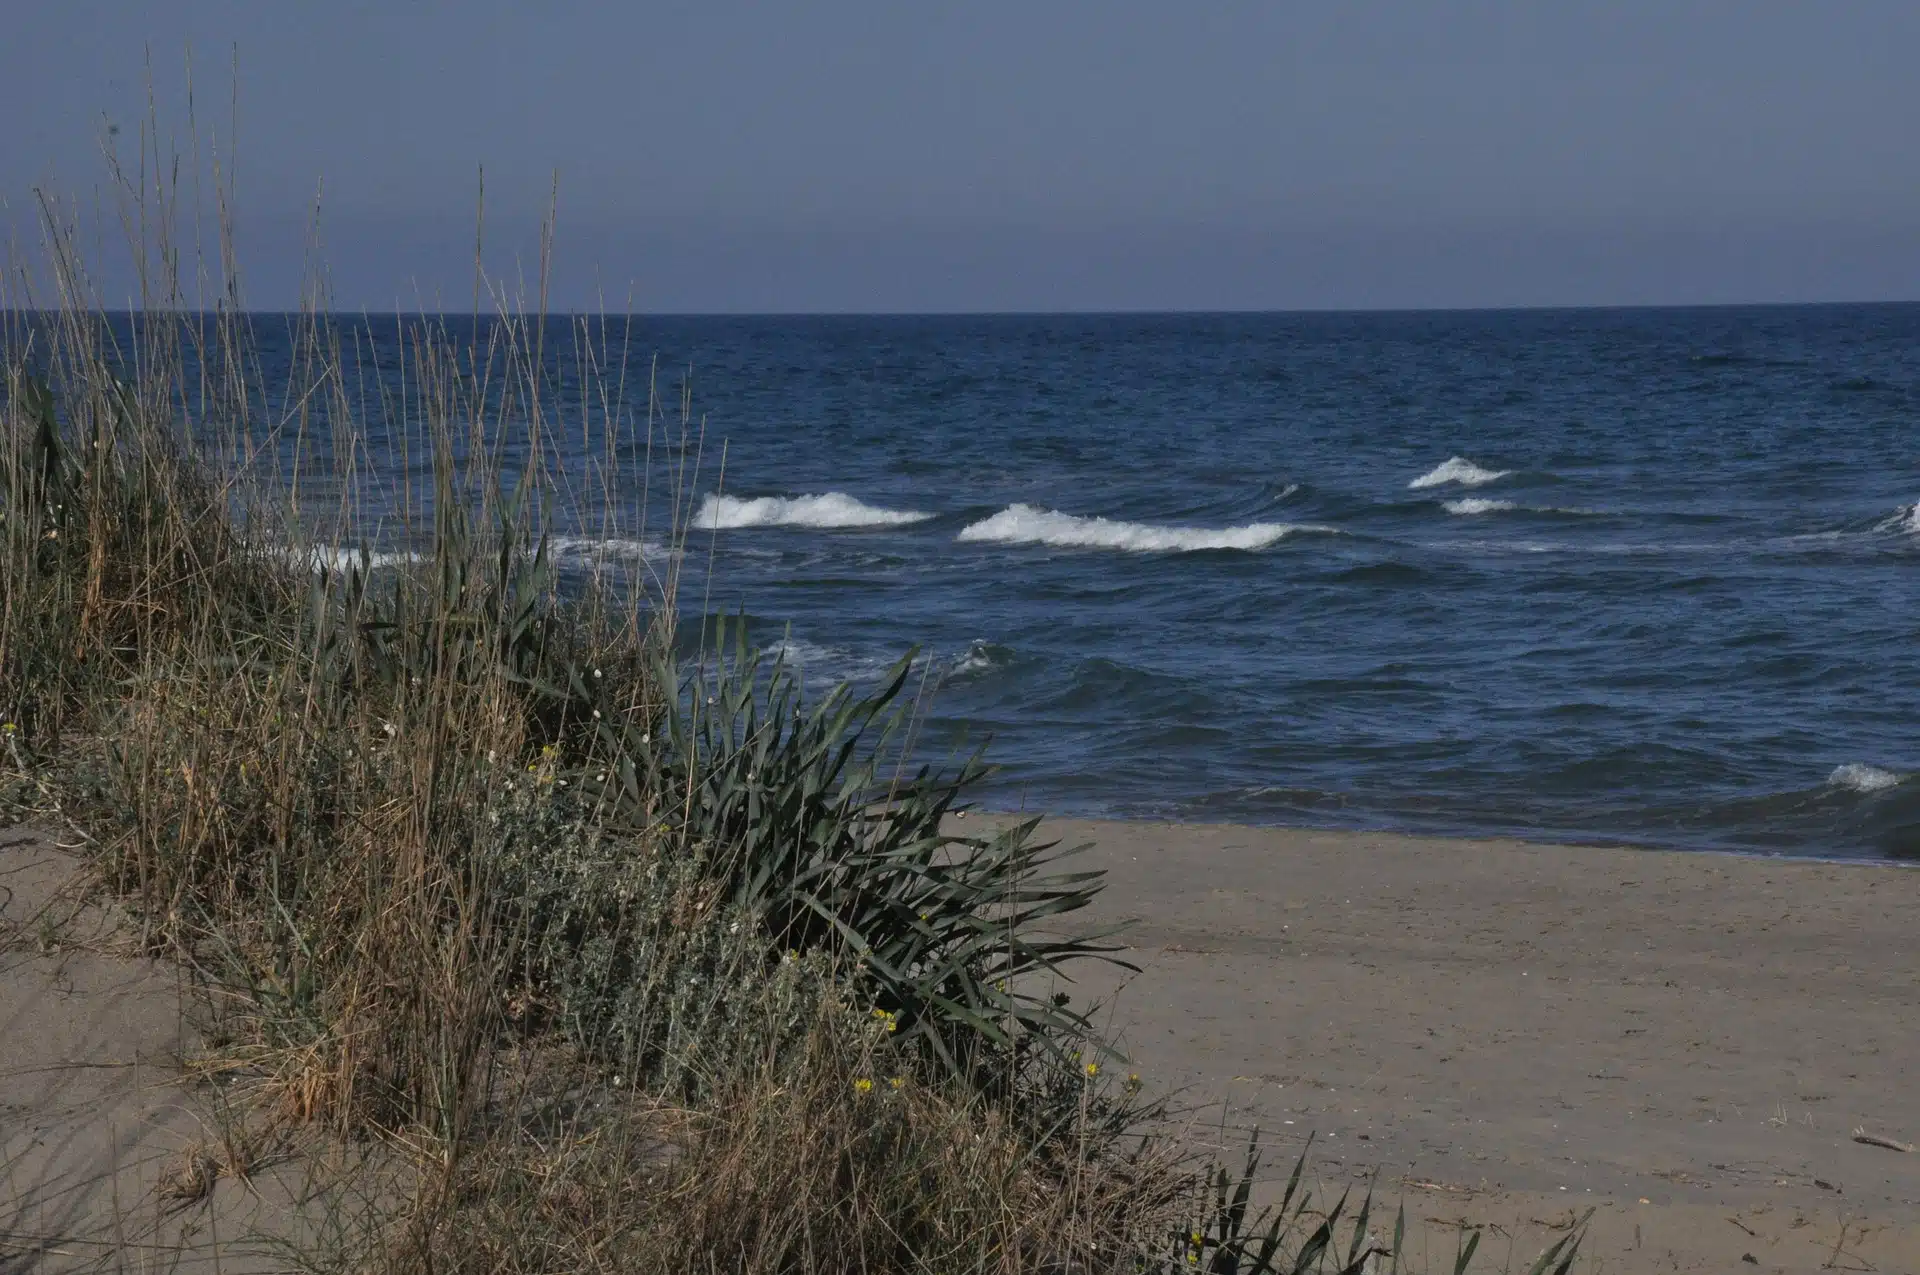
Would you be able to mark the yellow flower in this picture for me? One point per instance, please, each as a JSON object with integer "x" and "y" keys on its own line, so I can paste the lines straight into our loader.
{"x": 1093, "y": 1069}
{"x": 863, "y": 1085}
{"x": 898, "y": 1082}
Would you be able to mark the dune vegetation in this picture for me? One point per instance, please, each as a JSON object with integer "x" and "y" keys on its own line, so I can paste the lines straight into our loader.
{"x": 628, "y": 950}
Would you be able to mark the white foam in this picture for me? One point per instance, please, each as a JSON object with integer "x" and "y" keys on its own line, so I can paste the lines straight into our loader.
{"x": 1862, "y": 778}
{"x": 977, "y": 659}
{"x": 341, "y": 557}
{"x": 1905, "y": 519}
{"x": 833, "y": 509}
{"x": 1478, "y": 505}
{"x": 1457, "y": 469}
{"x": 584, "y": 549}
{"x": 1024, "y": 524}
{"x": 829, "y": 665}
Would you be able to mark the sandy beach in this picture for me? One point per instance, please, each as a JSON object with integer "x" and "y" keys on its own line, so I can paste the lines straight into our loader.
{"x": 1507, "y": 1032}
{"x": 1506, "y": 1035}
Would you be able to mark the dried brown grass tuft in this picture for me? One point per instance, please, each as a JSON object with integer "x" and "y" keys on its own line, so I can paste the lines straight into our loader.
{"x": 339, "y": 794}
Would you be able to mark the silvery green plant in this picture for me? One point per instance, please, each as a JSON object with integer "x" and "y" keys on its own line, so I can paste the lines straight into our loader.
{"x": 808, "y": 819}
{"x": 631, "y": 953}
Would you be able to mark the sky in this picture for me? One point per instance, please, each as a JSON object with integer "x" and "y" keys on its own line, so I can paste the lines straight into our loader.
{"x": 714, "y": 156}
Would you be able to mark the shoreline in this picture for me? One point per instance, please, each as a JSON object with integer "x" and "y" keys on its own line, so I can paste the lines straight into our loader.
{"x": 1513, "y": 1028}
{"x": 991, "y": 812}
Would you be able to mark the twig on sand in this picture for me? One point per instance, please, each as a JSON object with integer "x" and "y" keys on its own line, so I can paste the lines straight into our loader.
{"x": 1424, "y": 1185}
{"x": 1875, "y": 1140}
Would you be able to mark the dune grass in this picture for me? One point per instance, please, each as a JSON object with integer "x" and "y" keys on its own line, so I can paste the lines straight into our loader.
{"x": 640, "y": 958}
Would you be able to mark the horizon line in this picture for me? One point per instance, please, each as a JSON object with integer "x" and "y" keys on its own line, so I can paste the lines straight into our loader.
{"x": 1121, "y": 313}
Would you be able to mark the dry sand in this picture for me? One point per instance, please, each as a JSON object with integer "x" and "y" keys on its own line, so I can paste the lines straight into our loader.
{"x": 1508, "y": 1032}
{"x": 104, "y": 1148}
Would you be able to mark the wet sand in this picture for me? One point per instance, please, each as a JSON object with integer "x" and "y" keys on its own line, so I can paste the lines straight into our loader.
{"x": 1506, "y": 1032}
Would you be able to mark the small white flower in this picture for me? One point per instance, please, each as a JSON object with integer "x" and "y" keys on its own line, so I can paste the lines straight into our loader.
{"x": 596, "y": 714}
{"x": 646, "y": 739}
{"x": 390, "y": 728}
{"x": 596, "y": 672}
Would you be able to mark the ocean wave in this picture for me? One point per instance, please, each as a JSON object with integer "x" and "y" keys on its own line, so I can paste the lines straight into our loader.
{"x": 1904, "y": 519}
{"x": 1862, "y": 778}
{"x": 829, "y": 665}
{"x": 833, "y": 509}
{"x": 1024, "y": 524}
{"x": 341, "y": 557}
{"x": 1457, "y": 469}
{"x": 1482, "y": 505}
{"x": 573, "y": 549}
{"x": 980, "y": 657}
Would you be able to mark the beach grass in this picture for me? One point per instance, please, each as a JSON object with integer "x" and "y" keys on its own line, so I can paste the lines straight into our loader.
{"x": 629, "y": 954}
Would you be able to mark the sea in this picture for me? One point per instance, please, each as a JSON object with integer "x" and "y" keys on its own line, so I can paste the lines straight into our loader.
{"x": 1627, "y": 576}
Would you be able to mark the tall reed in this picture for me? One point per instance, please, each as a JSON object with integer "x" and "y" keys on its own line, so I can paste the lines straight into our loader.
{"x": 353, "y": 654}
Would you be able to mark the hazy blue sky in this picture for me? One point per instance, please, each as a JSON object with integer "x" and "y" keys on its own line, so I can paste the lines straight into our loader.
{"x": 987, "y": 155}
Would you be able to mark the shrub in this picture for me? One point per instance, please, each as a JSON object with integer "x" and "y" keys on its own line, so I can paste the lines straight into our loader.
{"x": 415, "y": 823}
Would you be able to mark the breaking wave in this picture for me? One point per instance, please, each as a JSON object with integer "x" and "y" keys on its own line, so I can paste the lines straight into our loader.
{"x": 1457, "y": 469}
{"x": 342, "y": 557}
{"x": 1024, "y": 524}
{"x": 1906, "y": 518}
{"x": 1862, "y": 778}
{"x": 833, "y": 509}
{"x": 575, "y": 549}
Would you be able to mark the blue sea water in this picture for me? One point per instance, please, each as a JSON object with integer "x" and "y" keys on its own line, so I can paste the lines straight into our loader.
{"x": 1647, "y": 576}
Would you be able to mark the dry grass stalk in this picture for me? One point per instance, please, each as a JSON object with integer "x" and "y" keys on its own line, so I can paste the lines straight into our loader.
{"x": 405, "y": 817}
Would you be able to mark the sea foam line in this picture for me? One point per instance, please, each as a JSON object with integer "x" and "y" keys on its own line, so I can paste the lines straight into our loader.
{"x": 1457, "y": 469}
{"x": 832, "y": 509}
{"x": 1024, "y": 524}
{"x": 1478, "y": 505}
